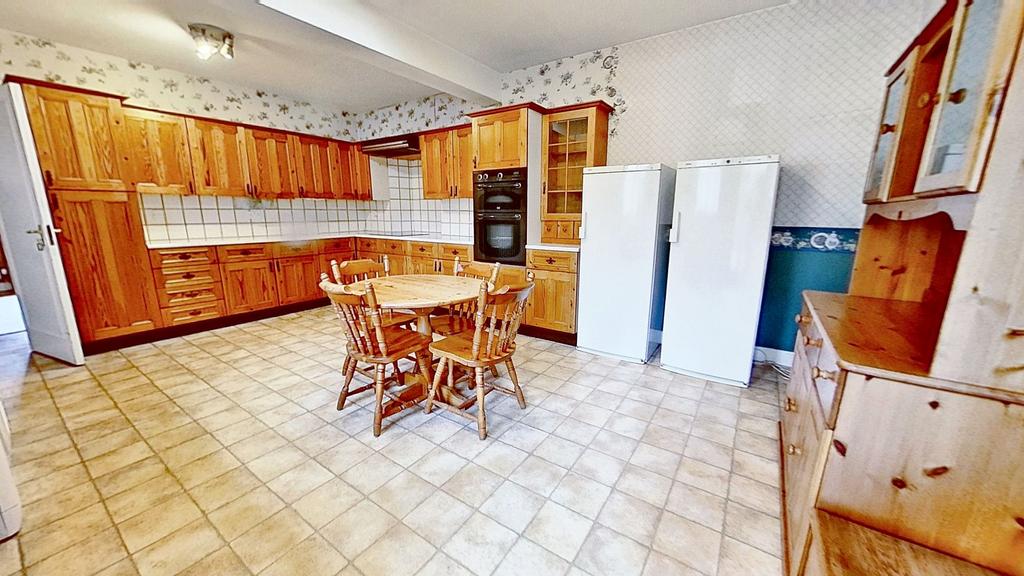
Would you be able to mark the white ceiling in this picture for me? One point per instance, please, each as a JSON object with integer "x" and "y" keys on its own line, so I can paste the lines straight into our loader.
{"x": 286, "y": 56}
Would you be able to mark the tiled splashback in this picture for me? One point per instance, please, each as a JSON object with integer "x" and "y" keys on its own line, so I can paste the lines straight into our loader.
{"x": 171, "y": 218}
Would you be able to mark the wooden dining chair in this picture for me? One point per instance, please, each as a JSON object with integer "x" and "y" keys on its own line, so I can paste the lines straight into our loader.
{"x": 457, "y": 318}
{"x": 492, "y": 342}
{"x": 351, "y": 271}
{"x": 373, "y": 342}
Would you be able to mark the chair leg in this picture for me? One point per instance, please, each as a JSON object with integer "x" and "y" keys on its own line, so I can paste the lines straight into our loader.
{"x": 378, "y": 409}
{"x": 494, "y": 371}
{"x": 350, "y": 371}
{"x": 481, "y": 416}
{"x": 399, "y": 376}
{"x": 423, "y": 362}
{"x": 515, "y": 382}
{"x": 433, "y": 387}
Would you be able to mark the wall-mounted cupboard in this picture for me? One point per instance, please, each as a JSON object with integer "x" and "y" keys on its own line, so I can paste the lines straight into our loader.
{"x": 447, "y": 163}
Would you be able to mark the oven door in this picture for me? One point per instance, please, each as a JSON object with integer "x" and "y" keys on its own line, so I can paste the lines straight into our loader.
{"x": 508, "y": 196}
{"x": 500, "y": 238}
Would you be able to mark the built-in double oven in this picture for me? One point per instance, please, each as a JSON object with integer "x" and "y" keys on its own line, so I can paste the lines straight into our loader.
{"x": 499, "y": 216}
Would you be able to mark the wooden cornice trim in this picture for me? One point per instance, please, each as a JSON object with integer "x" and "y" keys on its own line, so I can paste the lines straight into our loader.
{"x": 56, "y": 86}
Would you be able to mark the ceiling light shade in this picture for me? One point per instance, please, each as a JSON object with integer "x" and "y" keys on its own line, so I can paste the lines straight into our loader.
{"x": 212, "y": 40}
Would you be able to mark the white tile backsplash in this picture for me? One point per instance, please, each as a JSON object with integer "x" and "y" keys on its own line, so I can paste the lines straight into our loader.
{"x": 169, "y": 217}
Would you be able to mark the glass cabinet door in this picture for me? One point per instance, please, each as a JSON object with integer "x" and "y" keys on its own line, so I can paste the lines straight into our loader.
{"x": 888, "y": 134}
{"x": 567, "y": 142}
{"x": 977, "y": 67}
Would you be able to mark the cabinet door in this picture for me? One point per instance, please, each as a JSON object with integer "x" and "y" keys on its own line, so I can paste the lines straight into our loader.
{"x": 434, "y": 156}
{"x": 158, "y": 152}
{"x": 461, "y": 162}
{"x": 271, "y": 164}
{"x": 104, "y": 254}
{"x": 553, "y": 302}
{"x": 219, "y": 159}
{"x": 421, "y": 265}
{"x": 80, "y": 139}
{"x": 340, "y": 161}
{"x": 298, "y": 279}
{"x": 359, "y": 166}
{"x": 890, "y": 128}
{"x": 249, "y": 285}
{"x": 313, "y": 167}
{"x": 974, "y": 79}
{"x": 499, "y": 140}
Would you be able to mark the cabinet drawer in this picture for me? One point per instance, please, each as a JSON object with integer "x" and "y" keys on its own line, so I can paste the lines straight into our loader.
{"x": 423, "y": 249}
{"x": 186, "y": 276}
{"x": 289, "y": 249}
{"x": 549, "y": 231}
{"x": 170, "y": 257}
{"x": 192, "y": 313}
{"x": 244, "y": 252}
{"x": 394, "y": 247}
{"x": 935, "y": 467}
{"x": 551, "y": 260}
{"x": 367, "y": 245}
{"x": 186, "y": 295}
{"x": 337, "y": 245}
{"x": 450, "y": 251}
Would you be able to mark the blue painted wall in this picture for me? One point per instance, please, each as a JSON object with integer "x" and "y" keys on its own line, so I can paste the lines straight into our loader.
{"x": 801, "y": 259}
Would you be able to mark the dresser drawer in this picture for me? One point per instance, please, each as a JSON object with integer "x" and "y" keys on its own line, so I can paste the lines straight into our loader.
{"x": 244, "y": 252}
{"x": 394, "y": 247}
{"x": 192, "y": 313}
{"x": 423, "y": 249}
{"x": 171, "y": 257}
{"x": 365, "y": 245}
{"x": 186, "y": 295}
{"x": 186, "y": 276}
{"x": 337, "y": 245}
{"x": 289, "y": 249}
{"x": 451, "y": 251}
{"x": 551, "y": 260}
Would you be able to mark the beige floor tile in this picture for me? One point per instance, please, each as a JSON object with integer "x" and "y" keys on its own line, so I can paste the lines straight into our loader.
{"x": 480, "y": 544}
{"x": 400, "y": 552}
{"x": 513, "y": 506}
{"x": 630, "y": 516}
{"x": 299, "y": 481}
{"x": 179, "y": 456}
{"x": 472, "y": 484}
{"x": 608, "y": 553}
{"x": 688, "y": 542}
{"x": 538, "y": 475}
{"x": 42, "y": 512}
{"x": 525, "y": 557}
{"x": 739, "y": 559}
{"x": 97, "y": 551}
{"x": 314, "y": 556}
{"x": 576, "y": 431}
{"x": 371, "y": 473}
{"x": 143, "y": 497}
{"x": 754, "y": 528}
{"x": 357, "y": 528}
{"x": 158, "y": 521}
{"x": 645, "y": 485}
{"x": 709, "y": 452}
{"x": 754, "y": 494}
{"x": 171, "y": 438}
{"x": 407, "y": 449}
{"x": 271, "y": 539}
{"x": 500, "y": 458}
{"x": 558, "y": 529}
{"x": 225, "y": 488}
{"x": 718, "y": 433}
{"x": 703, "y": 476}
{"x": 320, "y": 440}
{"x": 327, "y": 502}
{"x": 442, "y": 565}
{"x": 665, "y": 438}
{"x": 117, "y": 459}
{"x": 601, "y": 467}
{"x": 438, "y": 466}
{"x": 210, "y": 466}
{"x": 756, "y": 444}
{"x": 559, "y": 451}
{"x": 129, "y": 476}
{"x": 344, "y": 456}
{"x": 655, "y": 459}
{"x": 55, "y": 537}
{"x": 438, "y": 517}
{"x": 273, "y": 464}
{"x": 223, "y": 562}
{"x": 109, "y": 443}
{"x": 697, "y": 505}
{"x": 756, "y": 467}
{"x": 238, "y": 516}
{"x": 179, "y": 550}
{"x": 402, "y": 494}
{"x": 581, "y": 494}
{"x": 124, "y": 567}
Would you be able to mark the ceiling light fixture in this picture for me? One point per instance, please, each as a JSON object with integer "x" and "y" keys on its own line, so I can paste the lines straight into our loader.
{"x": 212, "y": 40}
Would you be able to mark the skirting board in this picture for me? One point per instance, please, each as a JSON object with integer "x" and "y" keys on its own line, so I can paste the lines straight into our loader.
{"x": 781, "y": 357}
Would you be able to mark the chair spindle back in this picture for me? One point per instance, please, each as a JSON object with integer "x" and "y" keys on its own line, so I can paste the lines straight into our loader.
{"x": 498, "y": 317}
{"x": 361, "y": 316}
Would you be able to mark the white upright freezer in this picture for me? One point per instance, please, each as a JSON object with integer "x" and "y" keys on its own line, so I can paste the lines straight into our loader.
{"x": 722, "y": 223}
{"x": 627, "y": 211}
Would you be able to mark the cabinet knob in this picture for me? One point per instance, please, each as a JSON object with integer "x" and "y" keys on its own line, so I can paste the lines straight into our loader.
{"x": 244, "y": 252}
{"x": 886, "y": 129}
{"x": 195, "y": 312}
{"x": 790, "y": 405}
{"x": 818, "y": 373}
{"x": 793, "y": 450}
{"x": 812, "y": 342}
{"x": 550, "y": 260}
{"x": 958, "y": 96}
{"x": 188, "y": 275}
{"x": 184, "y": 256}
{"x": 802, "y": 319}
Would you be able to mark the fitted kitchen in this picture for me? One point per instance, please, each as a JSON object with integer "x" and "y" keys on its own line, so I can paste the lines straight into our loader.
{"x": 369, "y": 288}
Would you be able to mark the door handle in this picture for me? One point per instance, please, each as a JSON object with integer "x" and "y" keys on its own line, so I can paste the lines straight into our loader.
{"x": 673, "y": 232}
{"x": 41, "y": 240}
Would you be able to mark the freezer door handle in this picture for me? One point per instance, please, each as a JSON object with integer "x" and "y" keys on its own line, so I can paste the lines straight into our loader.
{"x": 673, "y": 232}
{"x": 583, "y": 226}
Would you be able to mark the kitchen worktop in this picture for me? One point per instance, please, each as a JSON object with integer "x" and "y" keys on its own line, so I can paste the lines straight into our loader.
{"x": 440, "y": 238}
{"x": 555, "y": 247}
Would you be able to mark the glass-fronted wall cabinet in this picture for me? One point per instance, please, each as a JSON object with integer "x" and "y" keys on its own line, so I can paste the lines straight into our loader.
{"x": 942, "y": 102}
{"x": 572, "y": 139}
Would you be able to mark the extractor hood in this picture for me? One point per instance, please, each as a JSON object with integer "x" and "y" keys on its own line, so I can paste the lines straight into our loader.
{"x": 392, "y": 147}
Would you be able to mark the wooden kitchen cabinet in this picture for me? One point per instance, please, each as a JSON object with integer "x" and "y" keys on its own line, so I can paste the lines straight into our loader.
{"x": 220, "y": 164}
{"x": 315, "y": 175}
{"x": 271, "y": 164}
{"x": 359, "y": 173}
{"x": 340, "y": 161}
{"x": 298, "y": 279}
{"x": 499, "y": 139}
{"x": 447, "y": 163}
{"x": 80, "y": 139}
{"x": 105, "y": 259}
{"x": 553, "y": 302}
{"x": 158, "y": 152}
{"x": 460, "y": 141}
{"x": 249, "y": 285}
{"x": 422, "y": 265}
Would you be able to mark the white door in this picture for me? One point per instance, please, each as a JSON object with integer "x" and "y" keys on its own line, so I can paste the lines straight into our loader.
{"x": 619, "y": 229}
{"x": 717, "y": 266}
{"x": 30, "y": 239}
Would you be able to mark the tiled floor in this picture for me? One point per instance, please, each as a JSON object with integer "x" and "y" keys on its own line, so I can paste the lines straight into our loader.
{"x": 222, "y": 453}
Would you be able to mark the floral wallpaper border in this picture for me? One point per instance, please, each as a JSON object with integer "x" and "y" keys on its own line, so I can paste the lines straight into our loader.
{"x": 815, "y": 239}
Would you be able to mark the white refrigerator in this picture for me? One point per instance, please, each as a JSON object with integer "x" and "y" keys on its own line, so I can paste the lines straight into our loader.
{"x": 627, "y": 212}
{"x": 722, "y": 223}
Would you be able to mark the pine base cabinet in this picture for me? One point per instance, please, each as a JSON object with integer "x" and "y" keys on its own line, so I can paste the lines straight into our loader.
{"x": 249, "y": 286}
{"x": 553, "y": 302}
{"x": 104, "y": 255}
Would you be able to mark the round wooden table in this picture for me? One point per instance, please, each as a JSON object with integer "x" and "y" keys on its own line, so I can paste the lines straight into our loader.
{"x": 421, "y": 293}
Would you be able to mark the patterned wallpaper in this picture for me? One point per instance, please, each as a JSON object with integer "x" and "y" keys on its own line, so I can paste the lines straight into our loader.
{"x": 165, "y": 89}
{"x": 414, "y": 116}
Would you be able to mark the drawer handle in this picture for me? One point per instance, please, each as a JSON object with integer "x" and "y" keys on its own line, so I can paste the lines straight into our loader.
{"x": 184, "y": 256}
{"x": 812, "y": 342}
{"x": 188, "y": 275}
{"x": 840, "y": 447}
{"x": 422, "y": 249}
{"x": 790, "y": 405}
{"x": 817, "y": 373}
{"x": 455, "y": 252}
{"x": 550, "y": 260}
{"x": 192, "y": 294}
{"x": 195, "y": 312}
{"x": 793, "y": 450}
{"x": 802, "y": 319}
{"x": 244, "y": 252}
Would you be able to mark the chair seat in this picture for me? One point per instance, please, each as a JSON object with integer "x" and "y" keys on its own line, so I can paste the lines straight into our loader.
{"x": 448, "y": 325}
{"x": 396, "y": 319}
{"x": 401, "y": 343}
{"x": 460, "y": 349}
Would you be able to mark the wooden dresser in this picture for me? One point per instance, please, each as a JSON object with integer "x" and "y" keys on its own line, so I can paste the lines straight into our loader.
{"x": 902, "y": 435}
